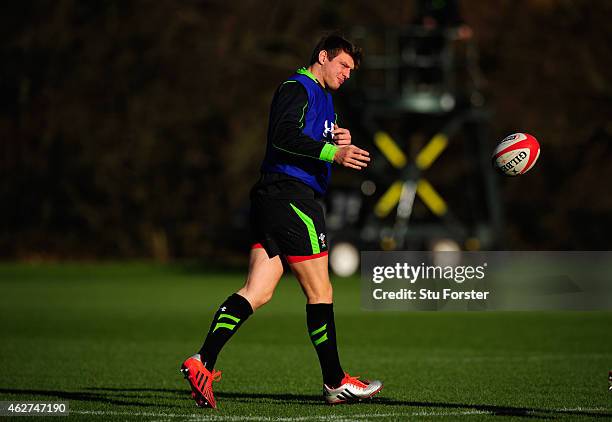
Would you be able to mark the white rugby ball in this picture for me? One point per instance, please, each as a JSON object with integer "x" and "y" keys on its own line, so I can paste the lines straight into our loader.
{"x": 516, "y": 154}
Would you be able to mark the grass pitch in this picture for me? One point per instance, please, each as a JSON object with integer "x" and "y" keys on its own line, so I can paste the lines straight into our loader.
{"x": 109, "y": 339}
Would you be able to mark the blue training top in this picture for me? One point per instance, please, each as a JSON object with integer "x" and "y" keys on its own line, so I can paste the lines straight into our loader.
{"x": 300, "y": 129}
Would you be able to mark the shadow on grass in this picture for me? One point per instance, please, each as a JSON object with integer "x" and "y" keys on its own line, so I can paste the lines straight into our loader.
{"x": 316, "y": 400}
{"x": 116, "y": 399}
{"x": 139, "y": 397}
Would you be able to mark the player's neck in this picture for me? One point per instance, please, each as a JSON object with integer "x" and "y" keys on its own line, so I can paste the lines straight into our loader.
{"x": 316, "y": 70}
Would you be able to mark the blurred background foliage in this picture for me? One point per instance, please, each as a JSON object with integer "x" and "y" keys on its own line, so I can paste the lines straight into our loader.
{"x": 136, "y": 128}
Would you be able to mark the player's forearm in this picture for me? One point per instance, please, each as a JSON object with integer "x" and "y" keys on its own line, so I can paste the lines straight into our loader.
{"x": 290, "y": 139}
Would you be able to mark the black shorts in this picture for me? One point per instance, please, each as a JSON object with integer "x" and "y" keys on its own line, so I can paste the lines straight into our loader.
{"x": 292, "y": 228}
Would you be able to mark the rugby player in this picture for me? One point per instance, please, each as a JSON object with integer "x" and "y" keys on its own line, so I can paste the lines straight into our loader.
{"x": 287, "y": 220}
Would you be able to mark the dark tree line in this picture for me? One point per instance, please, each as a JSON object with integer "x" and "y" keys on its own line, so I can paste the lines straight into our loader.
{"x": 135, "y": 128}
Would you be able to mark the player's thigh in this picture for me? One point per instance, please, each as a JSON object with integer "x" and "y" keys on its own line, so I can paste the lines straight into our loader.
{"x": 313, "y": 276}
{"x": 303, "y": 241}
{"x": 263, "y": 277}
{"x": 295, "y": 228}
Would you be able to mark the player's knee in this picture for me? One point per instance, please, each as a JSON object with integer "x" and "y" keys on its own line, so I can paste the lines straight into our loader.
{"x": 257, "y": 299}
{"x": 321, "y": 294}
{"x": 261, "y": 299}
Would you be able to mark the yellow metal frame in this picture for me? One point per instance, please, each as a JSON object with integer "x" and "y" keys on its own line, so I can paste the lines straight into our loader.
{"x": 424, "y": 159}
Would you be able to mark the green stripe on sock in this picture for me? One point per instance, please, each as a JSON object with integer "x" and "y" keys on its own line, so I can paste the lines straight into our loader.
{"x": 318, "y": 330}
{"x": 312, "y": 233}
{"x": 320, "y": 340}
{"x": 228, "y": 316}
{"x": 224, "y": 325}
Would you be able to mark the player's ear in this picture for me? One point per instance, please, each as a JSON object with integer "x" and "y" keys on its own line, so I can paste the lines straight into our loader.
{"x": 322, "y": 56}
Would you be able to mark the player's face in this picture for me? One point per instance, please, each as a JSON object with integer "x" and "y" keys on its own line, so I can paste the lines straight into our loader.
{"x": 337, "y": 70}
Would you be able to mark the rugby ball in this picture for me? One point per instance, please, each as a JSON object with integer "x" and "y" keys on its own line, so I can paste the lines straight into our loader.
{"x": 516, "y": 154}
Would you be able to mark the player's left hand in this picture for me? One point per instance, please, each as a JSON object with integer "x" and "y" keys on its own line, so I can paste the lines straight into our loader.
{"x": 341, "y": 136}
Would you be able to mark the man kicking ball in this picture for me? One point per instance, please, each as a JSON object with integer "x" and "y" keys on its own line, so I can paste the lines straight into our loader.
{"x": 287, "y": 221}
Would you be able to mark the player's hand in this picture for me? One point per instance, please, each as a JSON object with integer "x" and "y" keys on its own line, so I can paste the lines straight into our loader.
{"x": 341, "y": 136}
{"x": 353, "y": 157}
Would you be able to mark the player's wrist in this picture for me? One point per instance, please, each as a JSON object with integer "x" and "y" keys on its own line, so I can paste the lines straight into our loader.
{"x": 328, "y": 152}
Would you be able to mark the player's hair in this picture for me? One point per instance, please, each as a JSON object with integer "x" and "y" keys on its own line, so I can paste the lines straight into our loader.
{"x": 334, "y": 44}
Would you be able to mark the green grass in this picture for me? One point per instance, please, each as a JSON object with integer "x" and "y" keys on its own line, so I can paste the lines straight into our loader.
{"x": 109, "y": 339}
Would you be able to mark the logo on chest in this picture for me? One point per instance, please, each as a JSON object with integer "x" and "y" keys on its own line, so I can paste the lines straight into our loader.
{"x": 327, "y": 132}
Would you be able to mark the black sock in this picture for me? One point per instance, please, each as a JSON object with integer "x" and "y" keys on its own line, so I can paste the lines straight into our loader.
{"x": 322, "y": 331}
{"x": 230, "y": 316}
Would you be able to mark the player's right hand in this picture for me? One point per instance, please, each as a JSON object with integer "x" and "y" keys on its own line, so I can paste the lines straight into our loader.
{"x": 352, "y": 156}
